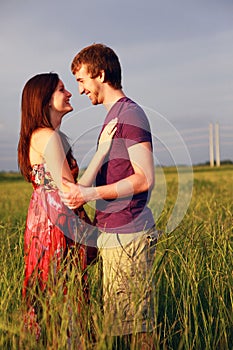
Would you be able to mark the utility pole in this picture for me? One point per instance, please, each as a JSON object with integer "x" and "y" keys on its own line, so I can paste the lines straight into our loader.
{"x": 211, "y": 145}
{"x": 217, "y": 148}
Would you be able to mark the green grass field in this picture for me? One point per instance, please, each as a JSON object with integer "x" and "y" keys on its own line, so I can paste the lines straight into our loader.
{"x": 193, "y": 272}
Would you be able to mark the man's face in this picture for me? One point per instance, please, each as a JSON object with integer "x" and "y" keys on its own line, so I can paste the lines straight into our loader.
{"x": 90, "y": 86}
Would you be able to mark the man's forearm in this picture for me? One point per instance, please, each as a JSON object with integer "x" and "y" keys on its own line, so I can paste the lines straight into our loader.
{"x": 124, "y": 188}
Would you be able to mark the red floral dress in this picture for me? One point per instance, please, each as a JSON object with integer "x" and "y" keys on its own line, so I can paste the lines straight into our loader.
{"x": 51, "y": 229}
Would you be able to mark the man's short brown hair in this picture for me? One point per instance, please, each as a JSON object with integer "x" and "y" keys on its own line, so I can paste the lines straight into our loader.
{"x": 97, "y": 58}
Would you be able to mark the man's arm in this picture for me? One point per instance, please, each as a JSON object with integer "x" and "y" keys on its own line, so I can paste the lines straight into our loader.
{"x": 141, "y": 158}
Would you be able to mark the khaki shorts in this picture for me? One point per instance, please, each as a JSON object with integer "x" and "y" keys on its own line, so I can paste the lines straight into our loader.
{"x": 128, "y": 289}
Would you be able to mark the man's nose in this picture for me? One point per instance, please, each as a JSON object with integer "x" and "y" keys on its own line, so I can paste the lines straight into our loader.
{"x": 81, "y": 89}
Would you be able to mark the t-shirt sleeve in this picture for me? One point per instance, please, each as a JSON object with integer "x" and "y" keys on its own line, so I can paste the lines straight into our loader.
{"x": 135, "y": 127}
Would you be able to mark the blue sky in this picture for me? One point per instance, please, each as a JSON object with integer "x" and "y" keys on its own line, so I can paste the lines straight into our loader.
{"x": 177, "y": 62}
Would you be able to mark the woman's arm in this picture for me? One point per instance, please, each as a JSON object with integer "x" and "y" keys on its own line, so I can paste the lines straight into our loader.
{"x": 47, "y": 143}
{"x": 104, "y": 144}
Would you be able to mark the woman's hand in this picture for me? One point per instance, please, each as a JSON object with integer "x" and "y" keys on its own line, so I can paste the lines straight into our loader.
{"x": 106, "y": 136}
{"x": 74, "y": 198}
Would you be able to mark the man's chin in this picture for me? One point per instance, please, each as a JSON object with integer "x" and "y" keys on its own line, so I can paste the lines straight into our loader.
{"x": 94, "y": 103}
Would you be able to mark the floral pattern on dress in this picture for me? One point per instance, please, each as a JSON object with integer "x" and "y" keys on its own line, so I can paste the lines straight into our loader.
{"x": 51, "y": 230}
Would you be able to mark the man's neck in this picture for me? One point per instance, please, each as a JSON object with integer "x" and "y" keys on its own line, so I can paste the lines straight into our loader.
{"x": 112, "y": 98}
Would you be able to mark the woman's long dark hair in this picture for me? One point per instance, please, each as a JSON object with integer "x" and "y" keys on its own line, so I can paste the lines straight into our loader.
{"x": 35, "y": 114}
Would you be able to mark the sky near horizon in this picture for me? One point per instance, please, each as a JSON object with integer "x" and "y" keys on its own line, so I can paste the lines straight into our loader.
{"x": 176, "y": 57}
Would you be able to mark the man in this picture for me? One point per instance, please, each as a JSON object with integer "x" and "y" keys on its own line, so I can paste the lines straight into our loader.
{"x": 123, "y": 186}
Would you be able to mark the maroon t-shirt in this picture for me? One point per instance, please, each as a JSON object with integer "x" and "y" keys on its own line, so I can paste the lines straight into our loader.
{"x": 131, "y": 214}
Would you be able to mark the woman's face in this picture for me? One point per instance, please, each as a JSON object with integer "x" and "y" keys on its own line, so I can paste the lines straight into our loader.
{"x": 59, "y": 104}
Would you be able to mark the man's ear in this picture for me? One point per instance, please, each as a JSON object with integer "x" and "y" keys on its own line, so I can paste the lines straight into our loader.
{"x": 102, "y": 76}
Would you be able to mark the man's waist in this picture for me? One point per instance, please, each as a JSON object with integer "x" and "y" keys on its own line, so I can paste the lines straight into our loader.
{"x": 124, "y": 221}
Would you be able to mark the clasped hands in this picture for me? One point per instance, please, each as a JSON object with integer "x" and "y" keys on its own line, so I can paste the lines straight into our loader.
{"x": 75, "y": 198}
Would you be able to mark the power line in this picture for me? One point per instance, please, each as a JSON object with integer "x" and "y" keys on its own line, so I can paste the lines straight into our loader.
{"x": 213, "y": 137}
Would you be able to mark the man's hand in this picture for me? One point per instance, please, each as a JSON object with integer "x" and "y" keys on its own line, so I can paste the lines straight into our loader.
{"x": 75, "y": 197}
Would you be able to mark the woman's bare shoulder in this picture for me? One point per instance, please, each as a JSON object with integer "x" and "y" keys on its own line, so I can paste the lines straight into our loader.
{"x": 42, "y": 132}
{"x": 41, "y": 137}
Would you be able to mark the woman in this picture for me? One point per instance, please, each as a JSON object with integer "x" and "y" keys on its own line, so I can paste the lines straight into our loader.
{"x": 45, "y": 158}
